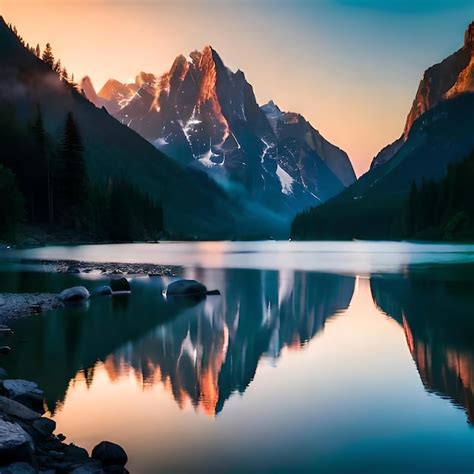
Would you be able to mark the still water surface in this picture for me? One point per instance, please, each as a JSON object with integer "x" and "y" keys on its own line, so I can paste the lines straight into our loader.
{"x": 317, "y": 357}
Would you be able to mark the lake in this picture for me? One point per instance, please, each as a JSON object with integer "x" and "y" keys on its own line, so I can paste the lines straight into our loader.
{"x": 316, "y": 357}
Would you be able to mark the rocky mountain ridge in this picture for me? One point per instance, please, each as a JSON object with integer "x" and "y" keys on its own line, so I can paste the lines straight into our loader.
{"x": 445, "y": 80}
{"x": 206, "y": 116}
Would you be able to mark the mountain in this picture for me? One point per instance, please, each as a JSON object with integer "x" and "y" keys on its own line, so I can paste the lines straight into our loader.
{"x": 206, "y": 117}
{"x": 445, "y": 80}
{"x": 373, "y": 207}
{"x": 113, "y": 151}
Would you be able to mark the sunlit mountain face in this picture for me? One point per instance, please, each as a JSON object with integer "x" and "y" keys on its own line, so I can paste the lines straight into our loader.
{"x": 200, "y": 352}
{"x": 446, "y": 80}
{"x": 205, "y": 115}
{"x": 436, "y": 317}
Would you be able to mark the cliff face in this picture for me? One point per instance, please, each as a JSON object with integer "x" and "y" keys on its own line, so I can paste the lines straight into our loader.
{"x": 451, "y": 77}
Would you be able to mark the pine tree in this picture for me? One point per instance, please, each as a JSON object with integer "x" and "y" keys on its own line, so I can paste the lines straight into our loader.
{"x": 38, "y": 51}
{"x": 45, "y": 164}
{"x": 64, "y": 75}
{"x": 48, "y": 57}
{"x": 57, "y": 67}
{"x": 71, "y": 177}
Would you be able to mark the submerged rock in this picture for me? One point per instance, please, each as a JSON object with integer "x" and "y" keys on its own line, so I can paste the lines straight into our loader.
{"x": 120, "y": 284}
{"x": 76, "y": 293}
{"x": 15, "y": 443}
{"x": 102, "y": 291}
{"x": 186, "y": 288}
{"x": 110, "y": 454}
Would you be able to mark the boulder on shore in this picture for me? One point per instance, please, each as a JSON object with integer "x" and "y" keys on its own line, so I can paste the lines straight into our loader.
{"x": 17, "y": 410}
{"x": 120, "y": 285}
{"x": 15, "y": 444}
{"x": 110, "y": 454}
{"x": 44, "y": 426}
{"x": 16, "y": 387}
{"x": 25, "y": 392}
{"x": 186, "y": 288}
{"x": 74, "y": 294}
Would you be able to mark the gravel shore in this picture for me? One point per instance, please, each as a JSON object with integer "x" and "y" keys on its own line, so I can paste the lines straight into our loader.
{"x": 17, "y": 305}
{"x": 108, "y": 268}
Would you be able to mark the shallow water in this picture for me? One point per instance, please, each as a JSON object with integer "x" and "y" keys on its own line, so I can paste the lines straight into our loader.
{"x": 332, "y": 357}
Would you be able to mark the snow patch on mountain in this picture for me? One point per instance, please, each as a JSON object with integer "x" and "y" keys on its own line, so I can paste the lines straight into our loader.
{"x": 285, "y": 179}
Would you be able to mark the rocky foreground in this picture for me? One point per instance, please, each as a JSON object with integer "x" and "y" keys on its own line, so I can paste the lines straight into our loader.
{"x": 28, "y": 443}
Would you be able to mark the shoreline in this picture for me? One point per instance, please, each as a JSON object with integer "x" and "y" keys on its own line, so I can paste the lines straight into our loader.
{"x": 104, "y": 268}
{"x": 18, "y": 305}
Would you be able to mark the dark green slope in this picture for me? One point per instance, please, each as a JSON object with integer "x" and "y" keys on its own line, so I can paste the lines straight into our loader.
{"x": 371, "y": 208}
{"x": 194, "y": 206}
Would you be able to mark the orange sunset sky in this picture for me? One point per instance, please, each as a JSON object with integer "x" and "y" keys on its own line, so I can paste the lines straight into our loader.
{"x": 350, "y": 67}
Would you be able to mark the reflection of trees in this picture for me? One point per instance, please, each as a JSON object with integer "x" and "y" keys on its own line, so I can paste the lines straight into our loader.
{"x": 202, "y": 353}
{"x": 435, "y": 309}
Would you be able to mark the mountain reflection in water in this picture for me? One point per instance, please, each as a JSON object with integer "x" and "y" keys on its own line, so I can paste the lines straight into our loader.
{"x": 435, "y": 309}
{"x": 202, "y": 354}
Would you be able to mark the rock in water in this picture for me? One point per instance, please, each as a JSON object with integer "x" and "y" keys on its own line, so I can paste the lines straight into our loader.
{"x": 110, "y": 454}
{"x": 186, "y": 288}
{"x": 75, "y": 452}
{"x": 120, "y": 284}
{"x": 15, "y": 443}
{"x": 44, "y": 426}
{"x": 4, "y": 350}
{"x": 76, "y": 293}
{"x": 102, "y": 291}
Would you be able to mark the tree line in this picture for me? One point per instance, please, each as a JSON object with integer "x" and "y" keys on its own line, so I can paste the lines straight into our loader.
{"x": 44, "y": 183}
{"x": 431, "y": 210}
{"x": 443, "y": 209}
